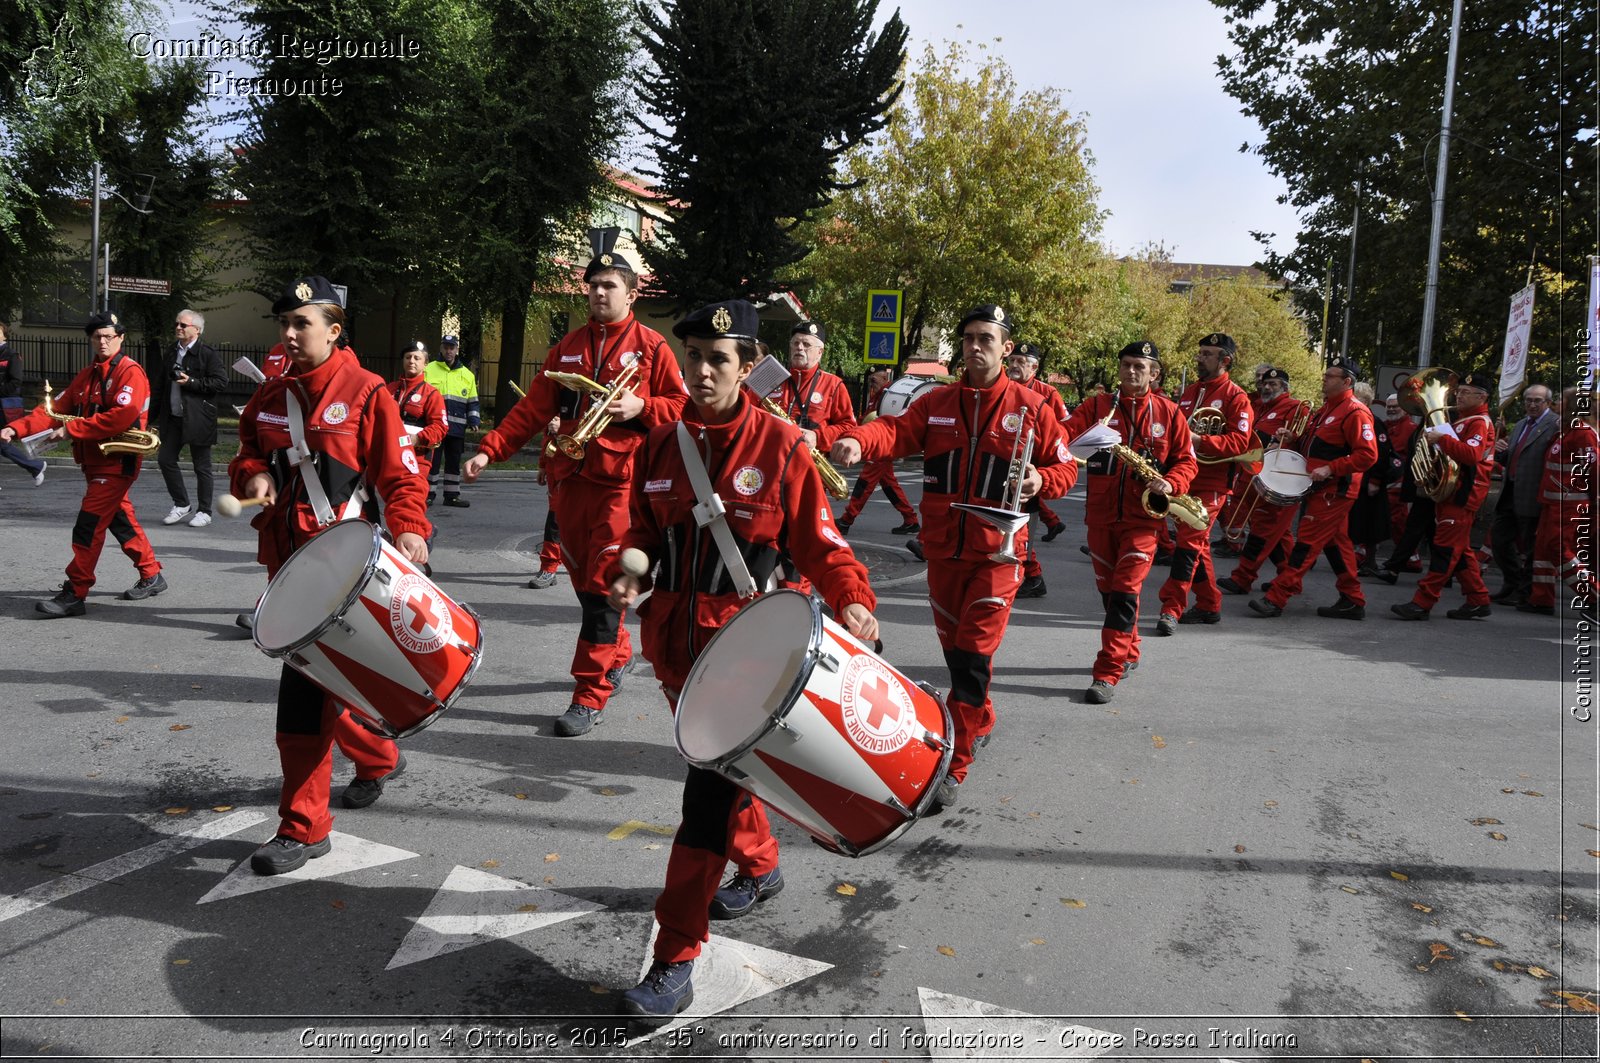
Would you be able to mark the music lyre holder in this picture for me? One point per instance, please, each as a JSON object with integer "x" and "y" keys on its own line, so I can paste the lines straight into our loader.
{"x": 1010, "y": 518}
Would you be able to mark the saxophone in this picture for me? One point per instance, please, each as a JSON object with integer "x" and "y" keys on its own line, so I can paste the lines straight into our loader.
{"x": 133, "y": 441}
{"x": 832, "y": 481}
{"x": 1186, "y": 508}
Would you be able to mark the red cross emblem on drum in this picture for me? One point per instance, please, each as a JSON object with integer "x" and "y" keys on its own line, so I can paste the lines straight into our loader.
{"x": 876, "y": 710}
{"x": 418, "y": 615}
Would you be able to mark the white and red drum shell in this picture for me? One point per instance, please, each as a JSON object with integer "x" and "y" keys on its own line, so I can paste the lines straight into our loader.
{"x": 1282, "y": 479}
{"x": 791, "y": 707}
{"x": 898, "y": 396}
{"x": 348, "y": 611}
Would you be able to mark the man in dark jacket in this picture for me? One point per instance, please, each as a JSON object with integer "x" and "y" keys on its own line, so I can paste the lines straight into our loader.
{"x": 1516, "y": 514}
{"x": 11, "y": 408}
{"x": 182, "y": 405}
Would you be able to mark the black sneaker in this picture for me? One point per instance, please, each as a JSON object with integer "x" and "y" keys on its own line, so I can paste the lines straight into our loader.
{"x": 1099, "y": 692}
{"x": 1227, "y": 586}
{"x": 246, "y": 621}
{"x": 666, "y": 990}
{"x": 1084, "y": 550}
{"x": 1051, "y": 532}
{"x": 285, "y": 854}
{"x": 1200, "y": 616}
{"x": 843, "y": 526}
{"x": 458, "y": 502}
{"x": 1408, "y": 611}
{"x": 542, "y": 580}
{"x": 362, "y": 792}
{"x": 1522, "y": 607}
{"x": 915, "y": 546}
{"x": 1167, "y": 625}
{"x": 1469, "y": 612}
{"x": 65, "y": 603}
{"x": 910, "y": 527}
{"x": 1032, "y": 587}
{"x": 1506, "y": 595}
{"x": 145, "y": 588}
{"x": 945, "y": 795}
{"x": 1343, "y": 609}
{"x": 614, "y": 675}
{"x": 1388, "y": 575}
{"x": 743, "y": 892}
{"x": 1262, "y": 607}
{"x": 577, "y": 720}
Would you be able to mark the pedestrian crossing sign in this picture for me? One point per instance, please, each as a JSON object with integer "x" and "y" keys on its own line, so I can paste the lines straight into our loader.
{"x": 883, "y": 307}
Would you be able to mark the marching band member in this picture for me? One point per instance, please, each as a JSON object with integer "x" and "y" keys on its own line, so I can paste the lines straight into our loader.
{"x": 1469, "y": 442}
{"x": 1212, "y": 484}
{"x": 420, "y": 404}
{"x": 352, "y": 434}
{"x": 763, "y": 463}
{"x": 1269, "y": 533}
{"x": 969, "y": 432}
{"x": 1339, "y": 444}
{"x": 589, "y": 494}
{"x": 1022, "y": 365}
{"x": 815, "y": 399}
{"x": 878, "y": 473}
{"x": 1122, "y": 533}
{"x": 1569, "y": 499}
{"x": 109, "y": 397}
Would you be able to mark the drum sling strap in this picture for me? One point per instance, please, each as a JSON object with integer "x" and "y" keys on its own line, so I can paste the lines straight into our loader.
{"x": 711, "y": 513}
{"x": 300, "y": 456}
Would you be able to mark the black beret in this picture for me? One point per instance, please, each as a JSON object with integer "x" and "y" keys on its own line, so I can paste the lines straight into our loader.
{"x": 1223, "y": 340}
{"x": 810, "y": 328}
{"x": 994, "y": 315}
{"x": 1027, "y": 350}
{"x": 307, "y": 291}
{"x": 732, "y": 318}
{"x": 414, "y": 345}
{"x": 1140, "y": 349}
{"x": 608, "y": 260}
{"x": 103, "y": 319}
{"x": 1475, "y": 380}
{"x": 1347, "y": 367}
{"x": 1275, "y": 374}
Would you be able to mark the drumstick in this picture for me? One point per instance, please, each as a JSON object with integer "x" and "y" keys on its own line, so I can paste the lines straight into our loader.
{"x": 230, "y": 506}
{"x": 635, "y": 562}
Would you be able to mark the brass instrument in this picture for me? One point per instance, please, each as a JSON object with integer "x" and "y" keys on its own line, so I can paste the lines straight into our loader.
{"x": 596, "y": 420}
{"x": 1186, "y": 508}
{"x": 1437, "y": 474}
{"x": 1208, "y": 421}
{"x": 1008, "y": 516}
{"x": 133, "y": 441}
{"x": 832, "y": 481}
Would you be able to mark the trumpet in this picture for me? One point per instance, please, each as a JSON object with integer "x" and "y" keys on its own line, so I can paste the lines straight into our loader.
{"x": 596, "y": 420}
{"x": 133, "y": 441}
{"x": 1008, "y": 516}
{"x": 832, "y": 481}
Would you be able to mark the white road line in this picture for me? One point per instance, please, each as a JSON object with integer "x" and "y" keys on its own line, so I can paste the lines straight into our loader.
{"x": 349, "y": 854}
{"x": 474, "y": 908}
{"x": 963, "y": 1028}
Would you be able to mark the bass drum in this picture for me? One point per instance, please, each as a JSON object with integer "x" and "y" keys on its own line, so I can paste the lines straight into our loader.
{"x": 898, "y": 397}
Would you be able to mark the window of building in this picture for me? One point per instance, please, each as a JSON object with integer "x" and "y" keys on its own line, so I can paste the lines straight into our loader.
{"x": 63, "y": 303}
{"x": 624, "y": 216}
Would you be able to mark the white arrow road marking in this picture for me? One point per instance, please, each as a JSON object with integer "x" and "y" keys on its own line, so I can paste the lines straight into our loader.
{"x": 728, "y": 973}
{"x": 474, "y": 908}
{"x": 349, "y": 854}
{"x": 961, "y": 1021}
{"x": 61, "y": 888}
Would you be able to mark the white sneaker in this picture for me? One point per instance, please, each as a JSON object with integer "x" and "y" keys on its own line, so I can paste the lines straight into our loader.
{"x": 200, "y": 520}
{"x": 38, "y": 477}
{"x": 178, "y": 513}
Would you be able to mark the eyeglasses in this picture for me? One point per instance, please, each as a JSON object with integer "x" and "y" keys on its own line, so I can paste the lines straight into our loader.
{"x": 183, "y": 324}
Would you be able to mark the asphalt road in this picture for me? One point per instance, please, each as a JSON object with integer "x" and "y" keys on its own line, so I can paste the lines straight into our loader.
{"x": 1286, "y": 838}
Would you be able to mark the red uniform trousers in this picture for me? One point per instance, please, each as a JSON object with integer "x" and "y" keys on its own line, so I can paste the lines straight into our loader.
{"x": 1555, "y": 555}
{"x": 878, "y": 474}
{"x": 1122, "y": 553}
{"x": 106, "y": 507}
{"x": 1399, "y": 511}
{"x": 603, "y": 641}
{"x": 1269, "y": 537}
{"x": 309, "y": 721}
{"x": 1192, "y": 565}
{"x": 721, "y": 822}
{"x": 1451, "y": 552}
{"x": 1324, "y": 529}
{"x": 971, "y": 602}
{"x": 550, "y": 545}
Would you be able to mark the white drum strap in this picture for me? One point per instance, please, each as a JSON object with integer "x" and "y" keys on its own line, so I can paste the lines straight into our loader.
{"x": 711, "y": 513}
{"x": 300, "y": 457}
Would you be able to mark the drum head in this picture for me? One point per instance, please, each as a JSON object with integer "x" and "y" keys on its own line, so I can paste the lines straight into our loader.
{"x": 315, "y": 585}
{"x": 747, "y": 676}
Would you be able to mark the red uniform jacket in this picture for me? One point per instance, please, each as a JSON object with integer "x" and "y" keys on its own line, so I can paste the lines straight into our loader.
{"x": 966, "y": 436}
{"x": 599, "y": 351}
{"x": 819, "y": 401}
{"x": 1473, "y": 451}
{"x": 1236, "y": 437}
{"x": 1052, "y": 397}
{"x": 353, "y": 425}
{"x": 422, "y": 409}
{"x": 776, "y": 510}
{"x": 1400, "y": 433}
{"x": 1341, "y": 437}
{"x": 1153, "y": 426}
{"x": 276, "y": 363}
{"x": 1570, "y": 475}
{"x": 108, "y": 398}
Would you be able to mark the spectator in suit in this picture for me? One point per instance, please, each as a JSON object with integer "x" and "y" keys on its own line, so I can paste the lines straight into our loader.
{"x": 1521, "y": 454}
{"x": 183, "y": 407}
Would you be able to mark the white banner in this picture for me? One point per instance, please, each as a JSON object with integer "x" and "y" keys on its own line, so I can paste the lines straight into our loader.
{"x": 1514, "y": 363}
{"x": 1594, "y": 319}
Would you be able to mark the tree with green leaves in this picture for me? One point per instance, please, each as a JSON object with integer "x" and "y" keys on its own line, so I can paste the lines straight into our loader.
{"x": 1348, "y": 96}
{"x": 977, "y": 193}
{"x": 759, "y": 100}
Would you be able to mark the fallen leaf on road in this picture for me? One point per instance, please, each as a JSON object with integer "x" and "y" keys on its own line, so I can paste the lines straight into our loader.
{"x": 1484, "y": 821}
{"x": 1073, "y": 902}
{"x": 1497, "y": 836}
{"x": 653, "y": 845}
{"x": 1540, "y": 972}
{"x": 180, "y": 727}
{"x": 528, "y": 908}
{"x": 194, "y": 686}
{"x": 1579, "y": 1001}
{"x": 1424, "y": 968}
{"x": 1514, "y": 968}
{"x": 1438, "y": 950}
{"x": 600, "y": 990}
{"x": 1532, "y": 793}
{"x": 551, "y": 858}
{"x": 1593, "y": 852}
{"x": 222, "y": 808}
{"x": 490, "y": 863}
{"x": 1349, "y": 889}
{"x": 1591, "y": 826}
{"x": 946, "y": 950}
{"x": 844, "y": 889}
{"x": 176, "y": 811}
{"x": 1488, "y": 943}
{"x": 1399, "y": 876}
{"x": 1508, "y": 789}
{"x": 120, "y": 719}
{"x": 1158, "y": 741}
{"x": 1271, "y": 804}
{"x": 1036, "y": 941}
{"x": 180, "y": 963}
{"x": 1463, "y": 1016}
{"x": 520, "y": 797}
{"x": 338, "y": 904}
{"x": 1238, "y": 848}
{"x": 606, "y": 791}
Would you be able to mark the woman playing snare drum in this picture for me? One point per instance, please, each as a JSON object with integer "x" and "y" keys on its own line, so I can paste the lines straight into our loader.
{"x": 776, "y": 510}
{"x": 353, "y": 428}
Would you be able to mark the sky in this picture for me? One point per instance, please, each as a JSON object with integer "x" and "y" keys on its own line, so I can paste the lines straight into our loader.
{"x": 1164, "y": 136}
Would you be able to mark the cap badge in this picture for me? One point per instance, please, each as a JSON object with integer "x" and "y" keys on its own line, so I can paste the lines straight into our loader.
{"x": 722, "y": 321}
{"x": 999, "y": 314}
{"x": 1147, "y": 349}
{"x": 302, "y": 291}
{"x": 113, "y": 318}
{"x": 605, "y": 260}
{"x": 812, "y": 328}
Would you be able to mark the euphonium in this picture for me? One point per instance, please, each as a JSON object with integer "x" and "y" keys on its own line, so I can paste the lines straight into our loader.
{"x": 1436, "y": 473}
{"x": 596, "y": 420}
{"x": 832, "y": 481}
{"x": 1186, "y": 508}
{"x": 133, "y": 441}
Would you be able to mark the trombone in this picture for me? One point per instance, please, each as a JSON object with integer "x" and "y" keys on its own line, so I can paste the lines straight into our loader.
{"x": 596, "y": 420}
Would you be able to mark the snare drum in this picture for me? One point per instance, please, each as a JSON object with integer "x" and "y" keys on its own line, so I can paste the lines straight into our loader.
{"x": 1282, "y": 480}
{"x": 787, "y": 704}
{"x": 898, "y": 397}
{"x": 348, "y": 611}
